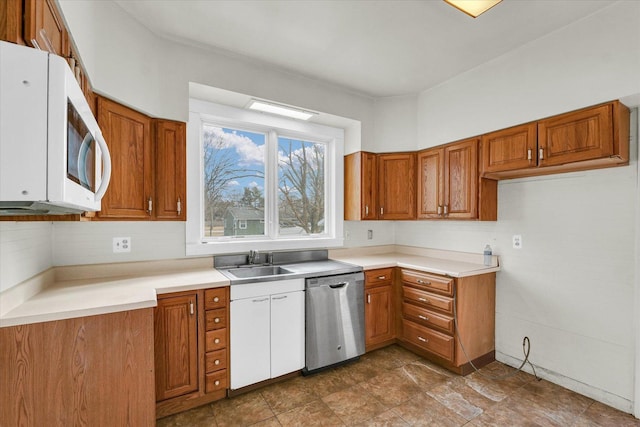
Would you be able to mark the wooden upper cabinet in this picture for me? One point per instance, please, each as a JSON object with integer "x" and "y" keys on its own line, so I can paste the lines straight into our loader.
{"x": 360, "y": 186}
{"x": 590, "y": 138}
{"x": 461, "y": 180}
{"x": 171, "y": 185}
{"x": 44, "y": 27}
{"x": 176, "y": 346}
{"x": 508, "y": 149}
{"x": 577, "y": 136}
{"x": 396, "y": 186}
{"x": 448, "y": 181}
{"x": 11, "y": 22}
{"x": 430, "y": 183}
{"x": 128, "y": 136}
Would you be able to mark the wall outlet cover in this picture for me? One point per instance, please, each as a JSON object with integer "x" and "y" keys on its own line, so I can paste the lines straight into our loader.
{"x": 121, "y": 244}
{"x": 517, "y": 241}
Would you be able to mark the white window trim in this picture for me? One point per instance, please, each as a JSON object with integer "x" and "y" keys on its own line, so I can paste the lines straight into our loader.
{"x": 201, "y": 112}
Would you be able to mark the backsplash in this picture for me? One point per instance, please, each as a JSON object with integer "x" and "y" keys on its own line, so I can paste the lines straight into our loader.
{"x": 25, "y": 250}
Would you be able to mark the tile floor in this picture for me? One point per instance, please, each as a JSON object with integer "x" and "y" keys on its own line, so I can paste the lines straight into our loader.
{"x": 394, "y": 387}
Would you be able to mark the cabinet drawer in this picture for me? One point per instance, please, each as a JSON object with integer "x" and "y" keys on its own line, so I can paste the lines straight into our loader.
{"x": 382, "y": 276}
{"x": 428, "y": 318}
{"x": 215, "y": 340}
{"x": 215, "y": 298}
{"x": 216, "y": 319}
{"x": 430, "y": 282}
{"x": 215, "y": 360}
{"x": 216, "y": 381}
{"x": 428, "y": 299}
{"x": 428, "y": 339}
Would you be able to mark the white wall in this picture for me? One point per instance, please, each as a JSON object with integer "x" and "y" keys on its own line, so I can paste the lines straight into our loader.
{"x": 571, "y": 287}
{"x": 356, "y": 233}
{"x": 395, "y": 125}
{"x": 129, "y": 63}
{"x": 25, "y": 250}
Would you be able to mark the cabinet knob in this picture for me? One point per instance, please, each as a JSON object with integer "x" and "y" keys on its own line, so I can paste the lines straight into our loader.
{"x": 529, "y": 156}
{"x": 439, "y": 210}
{"x": 149, "y": 205}
{"x": 423, "y": 300}
{"x": 446, "y": 210}
{"x": 541, "y": 154}
{"x": 179, "y": 206}
{"x": 366, "y": 210}
{"x": 423, "y": 339}
{"x": 382, "y": 277}
{"x": 216, "y": 341}
{"x": 216, "y": 320}
{"x": 423, "y": 317}
{"x": 422, "y": 282}
{"x": 216, "y": 383}
{"x": 216, "y": 299}
{"x": 368, "y": 298}
{"x": 216, "y": 362}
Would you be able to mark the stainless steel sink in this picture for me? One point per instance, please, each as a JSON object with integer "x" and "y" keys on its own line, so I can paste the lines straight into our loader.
{"x": 257, "y": 271}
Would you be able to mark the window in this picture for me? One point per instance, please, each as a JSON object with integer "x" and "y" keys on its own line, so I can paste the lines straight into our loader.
{"x": 261, "y": 182}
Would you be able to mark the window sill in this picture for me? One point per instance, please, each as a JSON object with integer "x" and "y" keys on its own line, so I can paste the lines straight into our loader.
{"x": 231, "y": 246}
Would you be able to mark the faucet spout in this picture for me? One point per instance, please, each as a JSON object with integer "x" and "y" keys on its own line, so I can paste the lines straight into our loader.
{"x": 253, "y": 256}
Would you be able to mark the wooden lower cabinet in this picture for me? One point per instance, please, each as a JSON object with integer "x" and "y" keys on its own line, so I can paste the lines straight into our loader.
{"x": 429, "y": 304}
{"x": 379, "y": 309}
{"x": 87, "y": 371}
{"x": 191, "y": 349}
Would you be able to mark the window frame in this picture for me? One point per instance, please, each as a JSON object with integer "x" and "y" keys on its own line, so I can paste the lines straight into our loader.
{"x": 201, "y": 112}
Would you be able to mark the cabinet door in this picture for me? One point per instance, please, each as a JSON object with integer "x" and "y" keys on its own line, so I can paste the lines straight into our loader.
{"x": 128, "y": 135}
{"x": 44, "y": 27}
{"x": 396, "y": 186}
{"x": 577, "y": 136}
{"x": 509, "y": 149}
{"x": 378, "y": 315}
{"x": 250, "y": 342}
{"x": 360, "y": 186}
{"x": 461, "y": 185}
{"x": 176, "y": 346}
{"x": 287, "y": 333}
{"x": 430, "y": 183}
{"x": 170, "y": 153}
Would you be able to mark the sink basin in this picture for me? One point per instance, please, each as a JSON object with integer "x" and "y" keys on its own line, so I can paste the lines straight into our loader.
{"x": 258, "y": 271}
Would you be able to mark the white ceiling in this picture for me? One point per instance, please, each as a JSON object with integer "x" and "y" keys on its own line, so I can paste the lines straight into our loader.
{"x": 376, "y": 48}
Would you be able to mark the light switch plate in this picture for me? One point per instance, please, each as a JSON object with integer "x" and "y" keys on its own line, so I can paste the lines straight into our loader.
{"x": 121, "y": 244}
{"x": 517, "y": 241}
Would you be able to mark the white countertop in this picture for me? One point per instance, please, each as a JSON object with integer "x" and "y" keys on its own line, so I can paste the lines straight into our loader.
{"x": 452, "y": 268}
{"x": 87, "y": 297}
{"x": 108, "y": 288}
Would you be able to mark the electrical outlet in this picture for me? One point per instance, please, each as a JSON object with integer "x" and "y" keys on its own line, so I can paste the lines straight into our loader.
{"x": 121, "y": 244}
{"x": 369, "y": 234}
{"x": 517, "y": 241}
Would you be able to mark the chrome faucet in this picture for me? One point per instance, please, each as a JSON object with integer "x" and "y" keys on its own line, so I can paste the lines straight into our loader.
{"x": 253, "y": 256}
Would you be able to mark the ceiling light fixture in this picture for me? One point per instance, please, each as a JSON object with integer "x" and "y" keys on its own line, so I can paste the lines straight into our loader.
{"x": 473, "y": 8}
{"x": 282, "y": 110}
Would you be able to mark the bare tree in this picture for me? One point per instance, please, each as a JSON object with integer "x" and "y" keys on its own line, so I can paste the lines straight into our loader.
{"x": 221, "y": 169}
{"x": 302, "y": 185}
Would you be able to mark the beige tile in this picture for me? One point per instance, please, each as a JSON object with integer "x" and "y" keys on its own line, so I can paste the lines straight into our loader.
{"x": 461, "y": 399}
{"x": 201, "y": 416}
{"x": 243, "y": 410}
{"x": 289, "y": 394}
{"x": 362, "y": 370}
{"x": 269, "y": 422}
{"x": 328, "y": 382}
{"x": 392, "y": 388}
{"x": 423, "y": 375}
{"x": 423, "y": 410}
{"x": 387, "y": 419}
{"x": 392, "y": 357}
{"x": 315, "y": 413}
{"x": 354, "y": 405}
{"x": 501, "y": 416}
{"x": 606, "y": 416}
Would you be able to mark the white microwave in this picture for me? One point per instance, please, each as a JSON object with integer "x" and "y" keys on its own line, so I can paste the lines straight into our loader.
{"x": 53, "y": 158}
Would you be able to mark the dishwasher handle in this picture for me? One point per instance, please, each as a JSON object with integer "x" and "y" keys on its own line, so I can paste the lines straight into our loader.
{"x": 338, "y": 285}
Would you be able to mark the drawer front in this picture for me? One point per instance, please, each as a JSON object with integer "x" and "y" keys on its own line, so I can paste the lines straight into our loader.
{"x": 216, "y": 319}
{"x": 430, "y": 282}
{"x": 428, "y": 299}
{"x": 382, "y": 276}
{"x": 216, "y": 381}
{"x": 215, "y": 298}
{"x": 428, "y": 339}
{"x": 215, "y": 360}
{"x": 215, "y": 340}
{"x": 428, "y": 318}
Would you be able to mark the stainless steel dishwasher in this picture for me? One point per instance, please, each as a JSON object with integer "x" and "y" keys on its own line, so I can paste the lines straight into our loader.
{"x": 334, "y": 320}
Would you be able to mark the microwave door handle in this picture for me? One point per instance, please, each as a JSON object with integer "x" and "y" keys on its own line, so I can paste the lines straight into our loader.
{"x": 106, "y": 160}
{"x": 82, "y": 158}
